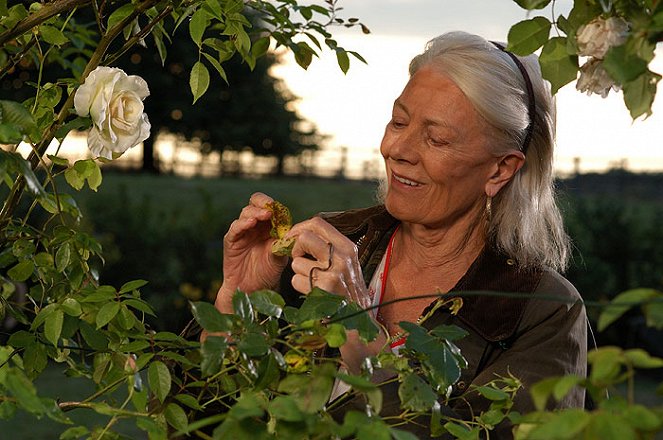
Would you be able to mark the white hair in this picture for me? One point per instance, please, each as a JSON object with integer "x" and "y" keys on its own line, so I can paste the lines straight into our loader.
{"x": 526, "y": 223}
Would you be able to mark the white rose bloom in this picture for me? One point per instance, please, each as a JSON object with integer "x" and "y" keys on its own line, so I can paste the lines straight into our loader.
{"x": 114, "y": 101}
{"x": 599, "y": 35}
{"x": 594, "y": 79}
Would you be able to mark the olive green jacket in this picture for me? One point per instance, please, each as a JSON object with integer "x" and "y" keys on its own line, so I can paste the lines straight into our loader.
{"x": 541, "y": 335}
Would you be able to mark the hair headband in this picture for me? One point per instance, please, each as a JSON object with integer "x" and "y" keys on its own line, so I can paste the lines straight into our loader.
{"x": 531, "y": 107}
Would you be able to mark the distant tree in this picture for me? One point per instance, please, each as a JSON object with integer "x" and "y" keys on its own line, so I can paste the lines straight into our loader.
{"x": 254, "y": 110}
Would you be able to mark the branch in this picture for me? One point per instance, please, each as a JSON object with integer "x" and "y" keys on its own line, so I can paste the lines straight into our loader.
{"x": 47, "y": 11}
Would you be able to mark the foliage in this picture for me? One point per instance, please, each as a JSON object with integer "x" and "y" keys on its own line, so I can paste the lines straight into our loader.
{"x": 267, "y": 369}
{"x": 626, "y": 61}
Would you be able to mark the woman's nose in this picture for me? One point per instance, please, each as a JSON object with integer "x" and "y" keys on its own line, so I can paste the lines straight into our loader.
{"x": 400, "y": 146}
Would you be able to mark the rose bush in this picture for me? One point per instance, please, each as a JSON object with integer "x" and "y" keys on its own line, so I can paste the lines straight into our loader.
{"x": 114, "y": 101}
{"x": 617, "y": 39}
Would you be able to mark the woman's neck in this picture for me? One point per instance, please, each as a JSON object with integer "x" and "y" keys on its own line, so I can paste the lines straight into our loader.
{"x": 427, "y": 247}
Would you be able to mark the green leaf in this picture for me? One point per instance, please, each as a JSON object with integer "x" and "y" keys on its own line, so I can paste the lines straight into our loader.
{"x": 541, "y": 391}
{"x": 639, "y": 94}
{"x": 449, "y": 332}
{"x": 61, "y": 161}
{"x": 52, "y": 35}
{"x": 106, "y": 313}
{"x": 354, "y": 318}
{"x": 267, "y": 302}
{"x": 357, "y": 382}
{"x": 53, "y": 326}
{"x": 212, "y": 350}
{"x": 563, "y": 424}
{"x": 528, "y": 35}
{"x": 318, "y": 305}
{"x": 176, "y": 417}
{"x": 343, "y": 60}
{"x": 639, "y": 358}
{"x": 268, "y": 372}
{"x": 622, "y": 65}
{"x": 397, "y": 434}
{"x": 622, "y": 303}
{"x": 532, "y": 4}
{"x": 415, "y": 394}
{"x": 607, "y": 426}
{"x": 285, "y": 408}
{"x": 63, "y": 257}
{"x": 197, "y": 25}
{"x": 260, "y": 47}
{"x": 253, "y": 344}
{"x": 642, "y": 418}
{"x": 188, "y": 400}
{"x": 242, "y": 306}
{"x": 95, "y": 178}
{"x": 140, "y": 305}
{"x": 74, "y": 433}
{"x": 24, "y": 391}
{"x": 564, "y": 385}
{"x": 311, "y": 391}
{"x": 22, "y": 271}
{"x": 159, "y": 379}
{"x": 120, "y": 14}
{"x": 247, "y": 406}
{"x": 199, "y": 80}
{"x": 35, "y": 359}
{"x": 376, "y": 429}
{"x": 491, "y": 393}
{"x": 74, "y": 179}
{"x": 217, "y": 65}
{"x": 557, "y": 65}
{"x": 210, "y": 318}
{"x": 94, "y": 338}
{"x": 606, "y": 363}
{"x": 15, "y": 116}
{"x": 131, "y": 286}
{"x": 335, "y": 335}
{"x": 303, "y": 54}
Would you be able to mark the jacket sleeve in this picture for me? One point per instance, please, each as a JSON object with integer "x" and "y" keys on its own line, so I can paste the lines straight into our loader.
{"x": 551, "y": 340}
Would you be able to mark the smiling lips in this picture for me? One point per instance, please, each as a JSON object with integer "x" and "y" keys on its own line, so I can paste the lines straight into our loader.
{"x": 405, "y": 181}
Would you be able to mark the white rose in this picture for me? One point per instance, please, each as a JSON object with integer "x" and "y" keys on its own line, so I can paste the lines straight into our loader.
{"x": 114, "y": 101}
{"x": 594, "y": 79}
{"x": 599, "y": 35}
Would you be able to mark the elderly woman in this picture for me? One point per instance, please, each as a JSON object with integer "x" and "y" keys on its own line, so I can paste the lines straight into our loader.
{"x": 469, "y": 206}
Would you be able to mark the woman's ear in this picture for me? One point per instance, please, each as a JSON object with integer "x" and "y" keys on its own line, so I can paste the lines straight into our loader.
{"x": 506, "y": 167}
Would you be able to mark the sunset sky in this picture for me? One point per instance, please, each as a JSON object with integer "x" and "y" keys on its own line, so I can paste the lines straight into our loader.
{"x": 354, "y": 108}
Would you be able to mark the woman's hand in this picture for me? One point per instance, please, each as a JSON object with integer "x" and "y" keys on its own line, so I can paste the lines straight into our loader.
{"x": 325, "y": 258}
{"x": 248, "y": 263}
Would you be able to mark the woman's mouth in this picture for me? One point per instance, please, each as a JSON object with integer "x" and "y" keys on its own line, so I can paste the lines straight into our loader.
{"x": 405, "y": 181}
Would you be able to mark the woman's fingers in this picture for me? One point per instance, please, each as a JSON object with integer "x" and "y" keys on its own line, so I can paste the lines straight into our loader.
{"x": 259, "y": 199}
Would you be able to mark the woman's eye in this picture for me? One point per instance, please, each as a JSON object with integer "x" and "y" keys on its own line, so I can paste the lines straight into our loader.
{"x": 438, "y": 142}
{"x": 397, "y": 123}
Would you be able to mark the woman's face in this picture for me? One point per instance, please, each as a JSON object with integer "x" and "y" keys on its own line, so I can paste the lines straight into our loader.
{"x": 436, "y": 154}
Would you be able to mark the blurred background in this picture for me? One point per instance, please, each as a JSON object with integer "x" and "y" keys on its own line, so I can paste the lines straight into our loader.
{"x": 311, "y": 139}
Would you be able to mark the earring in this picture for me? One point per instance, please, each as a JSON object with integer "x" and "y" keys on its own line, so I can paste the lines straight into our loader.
{"x": 489, "y": 210}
